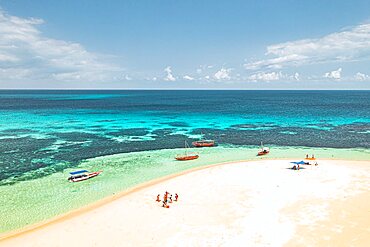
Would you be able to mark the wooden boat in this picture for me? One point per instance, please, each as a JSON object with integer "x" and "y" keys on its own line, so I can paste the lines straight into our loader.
{"x": 82, "y": 175}
{"x": 186, "y": 156}
{"x": 263, "y": 150}
{"x": 204, "y": 143}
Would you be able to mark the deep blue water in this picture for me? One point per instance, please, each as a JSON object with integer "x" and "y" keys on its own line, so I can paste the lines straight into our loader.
{"x": 58, "y": 129}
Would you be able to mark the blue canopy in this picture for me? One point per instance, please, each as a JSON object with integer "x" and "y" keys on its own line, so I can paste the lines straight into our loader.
{"x": 298, "y": 162}
{"x": 78, "y": 172}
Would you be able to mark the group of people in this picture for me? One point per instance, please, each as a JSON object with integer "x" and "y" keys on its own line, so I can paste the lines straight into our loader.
{"x": 297, "y": 167}
{"x": 167, "y": 198}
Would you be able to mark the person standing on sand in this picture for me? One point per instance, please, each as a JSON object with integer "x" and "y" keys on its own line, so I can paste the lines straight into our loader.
{"x": 158, "y": 200}
{"x": 176, "y": 197}
{"x": 171, "y": 198}
{"x": 306, "y": 156}
{"x": 165, "y": 204}
{"x": 165, "y": 198}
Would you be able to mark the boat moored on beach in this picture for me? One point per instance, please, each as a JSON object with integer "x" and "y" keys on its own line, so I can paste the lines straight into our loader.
{"x": 187, "y": 156}
{"x": 82, "y": 175}
{"x": 263, "y": 150}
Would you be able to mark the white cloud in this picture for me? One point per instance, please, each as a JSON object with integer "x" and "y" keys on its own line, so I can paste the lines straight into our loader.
{"x": 348, "y": 45}
{"x": 169, "y": 76}
{"x": 265, "y": 76}
{"x": 128, "y": 78}
{"x": 361, "y": 77}
{"x": 25, "y": 50}
{"x": 223, "y": 74}
{"x": 189, "y": 78}
{"x": 296, "y": 76}
{"x": 335, "y": 74}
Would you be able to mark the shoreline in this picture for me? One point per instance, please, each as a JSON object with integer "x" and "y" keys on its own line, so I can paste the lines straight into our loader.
{"x": 124, "y": 171}
{"x": 107, "y": 200}
{"x": 104, "y": 201}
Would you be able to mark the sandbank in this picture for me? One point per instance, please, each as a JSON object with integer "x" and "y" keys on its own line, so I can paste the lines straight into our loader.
{"x": 256, "y": 203}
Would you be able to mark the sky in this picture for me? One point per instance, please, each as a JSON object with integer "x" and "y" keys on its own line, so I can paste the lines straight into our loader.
{"x": 133, "y": 44}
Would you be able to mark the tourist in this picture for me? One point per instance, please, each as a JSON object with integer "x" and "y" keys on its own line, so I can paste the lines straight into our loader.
{"x": 171, "y": 198}
{"x": 158, "y": 200}
{"x": 176, "y": 197}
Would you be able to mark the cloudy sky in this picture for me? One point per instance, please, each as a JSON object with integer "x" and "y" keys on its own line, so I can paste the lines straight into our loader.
{"x": 185, "y": 44}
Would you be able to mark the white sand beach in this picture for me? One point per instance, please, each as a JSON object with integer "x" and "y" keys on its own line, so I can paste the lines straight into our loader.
{"x": 256, "y": 203}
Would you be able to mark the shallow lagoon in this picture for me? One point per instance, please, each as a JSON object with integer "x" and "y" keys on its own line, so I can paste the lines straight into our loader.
{"x": 35, "y": 200}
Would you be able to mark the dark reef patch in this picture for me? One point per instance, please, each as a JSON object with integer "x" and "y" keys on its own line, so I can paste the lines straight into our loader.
{"x": 341, "y": 137}
{"x": 18, "y": 131}
{"x": 130, "y": 132}
{"x": 355, "y": 127}
{"x": 177, "y": 124}
{"x": 76, "y": 136}
{"x": 18, "y": 153}
{"x": 106, "y": 121}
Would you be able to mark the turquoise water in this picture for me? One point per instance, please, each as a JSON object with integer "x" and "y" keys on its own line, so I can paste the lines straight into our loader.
{"x": 134, "y": 135}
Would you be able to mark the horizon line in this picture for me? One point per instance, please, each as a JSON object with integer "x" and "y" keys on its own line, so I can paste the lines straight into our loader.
{"x": 187, "y": 89}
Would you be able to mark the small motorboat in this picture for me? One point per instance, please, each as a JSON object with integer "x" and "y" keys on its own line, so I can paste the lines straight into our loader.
{"x": 263, "y": 150}
{"x": 82, "y": 175}
{"x": 204, "y": 143}
{"x": 186, "y": 156}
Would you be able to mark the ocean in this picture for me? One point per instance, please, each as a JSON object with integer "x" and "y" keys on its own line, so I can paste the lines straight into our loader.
{"x": 134, "y": 135}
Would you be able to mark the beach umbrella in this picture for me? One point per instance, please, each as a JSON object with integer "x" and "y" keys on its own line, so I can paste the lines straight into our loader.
{"x": 298, "y": 162}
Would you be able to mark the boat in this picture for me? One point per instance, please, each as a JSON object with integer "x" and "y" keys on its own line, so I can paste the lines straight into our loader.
{"x": 187, "y": 156}
{"x": 263, "y": 150}
{"x": 203, "y": 143}
{"x": 82, "y": 175}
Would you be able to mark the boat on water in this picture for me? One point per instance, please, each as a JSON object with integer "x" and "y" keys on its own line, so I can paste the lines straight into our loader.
{"x": 263, "y": 150}
{"x": 203, "y": 143}
{"x": 82, "y": 175}
{"x": 186, "y": 155}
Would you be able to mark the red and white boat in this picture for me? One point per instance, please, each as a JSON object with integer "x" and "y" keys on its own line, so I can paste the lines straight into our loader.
{"x": 204, "y": 143}
{"x": 82, "y": 175}
{"x": 187, "y": 156}
{"x": 263, "y": 150}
